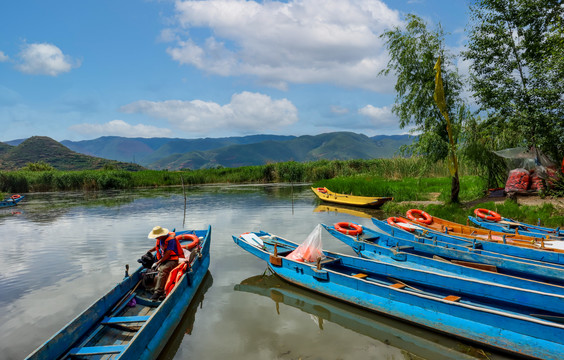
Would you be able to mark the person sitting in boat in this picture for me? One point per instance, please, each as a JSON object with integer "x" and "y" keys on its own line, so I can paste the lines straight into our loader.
{"x": 169, "y": 252}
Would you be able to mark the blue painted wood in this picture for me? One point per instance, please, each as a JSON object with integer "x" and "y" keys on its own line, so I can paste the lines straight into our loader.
{"x": 468, "y": 275}
{"x": 86, "y": 331}
{"x": 508, "y": 226}
{"x": 476, "y": 317}
{"x": 97, "y": 350}
{"x": 124, "y": 319}
{"x": 539, "y": 255}
{"x": 9, "y": 202}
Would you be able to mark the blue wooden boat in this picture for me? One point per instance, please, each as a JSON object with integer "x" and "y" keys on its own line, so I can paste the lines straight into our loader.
{"x": 424, "y": 345}
{"x": 11, "y": 201}
{"x": 385, "y": 248}
{"x": 377, "y": 286}
{"x": 124, "y": 323}
{"x": 510, "y": 226}
{"x": 546, "y": 255}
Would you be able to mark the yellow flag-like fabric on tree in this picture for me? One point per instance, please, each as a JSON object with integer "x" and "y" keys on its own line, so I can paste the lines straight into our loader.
{"x": 439, "y": 97}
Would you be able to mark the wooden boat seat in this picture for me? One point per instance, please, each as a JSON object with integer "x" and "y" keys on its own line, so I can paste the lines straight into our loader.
{"x": 452, "y": 298}
{"x": 124, "y": 319}
{"x": 96, "y": 350}
{"x": 360, "y": 276}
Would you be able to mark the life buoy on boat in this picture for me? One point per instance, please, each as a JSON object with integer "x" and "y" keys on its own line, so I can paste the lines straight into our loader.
{"x": 322, "y": 190}
{"x": 348, "y": 228}
{"x": 487, "y": 214}
{"x": 401, "y": 223}
{"x": 195, "y": 240}
{"x": 16, "y": 196}
{"x": 419, "y": 216}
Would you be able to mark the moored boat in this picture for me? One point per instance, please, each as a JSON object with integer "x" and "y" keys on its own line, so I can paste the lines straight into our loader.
{"x": 125, "y": 323}
{"x": 423, "y": 345}
{"x": 11, "y": 201}
{"x": 362, "y": 283}
{"x": 491, "y": 220}
{"x": 365, "y": 201}
{"x": 503, "y": 248}
{"x": 421, "y": 218}
{"x": 381, "y": 246}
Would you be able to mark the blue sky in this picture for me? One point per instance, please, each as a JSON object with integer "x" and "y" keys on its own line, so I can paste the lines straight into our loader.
{"x": 78, "y": 70}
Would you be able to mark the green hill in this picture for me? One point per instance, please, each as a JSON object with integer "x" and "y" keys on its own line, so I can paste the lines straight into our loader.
{"x": 42, "y": 148}
{"x": 330, "y": 146}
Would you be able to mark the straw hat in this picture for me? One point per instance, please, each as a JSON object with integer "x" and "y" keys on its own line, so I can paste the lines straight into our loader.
{"x": 157, "y": 232}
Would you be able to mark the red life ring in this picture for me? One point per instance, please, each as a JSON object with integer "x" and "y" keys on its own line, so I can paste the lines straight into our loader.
{"x": 348, "y": 228}
{"x": 16, "y": 196}
{"x": 322, "y": 190}
{"x": 195, "y": 240}
{"x": 395, "y": 221}
{"x": 487, "y": 214}
{"x": 419, "y": 216}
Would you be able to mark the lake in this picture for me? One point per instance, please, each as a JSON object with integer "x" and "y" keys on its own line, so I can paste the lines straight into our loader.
{"x": 62, "y": 251}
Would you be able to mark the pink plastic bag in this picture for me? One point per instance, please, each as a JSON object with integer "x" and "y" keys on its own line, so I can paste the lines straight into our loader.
{"x": 311, "y": 249}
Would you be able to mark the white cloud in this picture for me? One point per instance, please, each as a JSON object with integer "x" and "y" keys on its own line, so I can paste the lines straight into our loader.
{"x": 299, "y": 41}
{"x": 381, "y": 118}
{"x": 44, "y": 59}
{"x": 3, "y": 57}
{"x": 120, "y": 128}
{"x": 246, "y": 111}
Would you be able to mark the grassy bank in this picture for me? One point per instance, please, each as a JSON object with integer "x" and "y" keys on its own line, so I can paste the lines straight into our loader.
{"x": 392, "y": 169}
{"x": 407, "y": 189}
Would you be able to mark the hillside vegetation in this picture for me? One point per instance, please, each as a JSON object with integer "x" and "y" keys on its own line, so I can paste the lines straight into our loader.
{"x": 46, "y": 150}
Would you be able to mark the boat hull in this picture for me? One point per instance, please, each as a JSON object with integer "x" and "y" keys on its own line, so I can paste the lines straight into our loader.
{"x": 520, "y": 334}
{"x": 344, "y": 199}
{"x": 150, "y": 339}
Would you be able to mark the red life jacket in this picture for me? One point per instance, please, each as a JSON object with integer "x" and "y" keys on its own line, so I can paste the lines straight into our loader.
{"x": 177, "y": 251}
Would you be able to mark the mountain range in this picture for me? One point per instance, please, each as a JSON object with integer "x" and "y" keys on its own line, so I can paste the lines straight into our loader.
{"x": 175, "y": 153}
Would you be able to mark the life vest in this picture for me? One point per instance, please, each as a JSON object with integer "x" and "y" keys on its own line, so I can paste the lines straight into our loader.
{"x": 177, "y": 251}
{"x": 174, "y": 277}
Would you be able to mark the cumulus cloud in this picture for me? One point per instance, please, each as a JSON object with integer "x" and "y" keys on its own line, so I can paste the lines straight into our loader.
{"x": 246, "y": 111}
{"x": 44, "y": 59}
{"x": 3, "y": 57}
{"x": 298, "y": 41}
{"x": 120, "y": 128}
{"x": 381, "y": 117}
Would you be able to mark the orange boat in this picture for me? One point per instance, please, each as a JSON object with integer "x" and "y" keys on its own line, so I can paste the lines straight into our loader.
{"x": 421, "y": 218}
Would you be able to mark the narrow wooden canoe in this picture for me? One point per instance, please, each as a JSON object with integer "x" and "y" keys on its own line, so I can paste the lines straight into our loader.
{"x": 383, "y": 247}
{"x": 376, "y": 286}
{"x": 11, "y": 201}
{"x": 471, "y": 232}
{"x": 509, "y": 226}
{"x": 124, "y": 323}
{"x": 365, "y": 201}
{"x": 382, "y": 328}
{"x": 507, "y": 248}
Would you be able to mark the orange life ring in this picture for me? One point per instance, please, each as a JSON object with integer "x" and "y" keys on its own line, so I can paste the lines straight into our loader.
{"x": 322, "y": 190}
{"x": 348, "y": 228}
{"x": 16, "y": 196}
{"x": 487, "y": 214}
{"x": 419, "y": 216}
{"x": 395, "y": 221}
{"x": 195, "y": 240}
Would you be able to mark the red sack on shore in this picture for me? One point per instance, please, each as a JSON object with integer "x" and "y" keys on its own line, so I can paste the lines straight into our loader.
{"x": 518, "y": 180}
{"x": 536, "y": 182}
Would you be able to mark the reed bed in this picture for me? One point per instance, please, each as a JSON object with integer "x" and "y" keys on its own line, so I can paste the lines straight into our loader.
{"x": 395, "y": 171}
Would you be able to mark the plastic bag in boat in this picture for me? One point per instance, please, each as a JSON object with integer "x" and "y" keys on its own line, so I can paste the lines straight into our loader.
{"x": 311, "y": 249}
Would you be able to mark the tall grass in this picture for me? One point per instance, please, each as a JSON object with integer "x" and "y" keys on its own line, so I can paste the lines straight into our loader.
{"x": 395, "y": 169}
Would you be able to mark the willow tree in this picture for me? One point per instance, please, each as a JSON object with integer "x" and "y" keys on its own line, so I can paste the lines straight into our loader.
{"x": 414, "y": 51}
{"x": 516, "y": 49}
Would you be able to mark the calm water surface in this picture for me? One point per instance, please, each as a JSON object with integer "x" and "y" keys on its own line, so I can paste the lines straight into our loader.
{"x": 62, "y": 251}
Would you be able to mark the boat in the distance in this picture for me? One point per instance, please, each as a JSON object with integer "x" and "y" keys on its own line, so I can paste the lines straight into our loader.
{"x": 11, "y": 201}
{"x": 325, "y": 194}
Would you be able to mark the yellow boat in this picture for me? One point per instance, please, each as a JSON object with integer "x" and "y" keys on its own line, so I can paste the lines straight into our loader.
{"x": 365, "y": 201}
